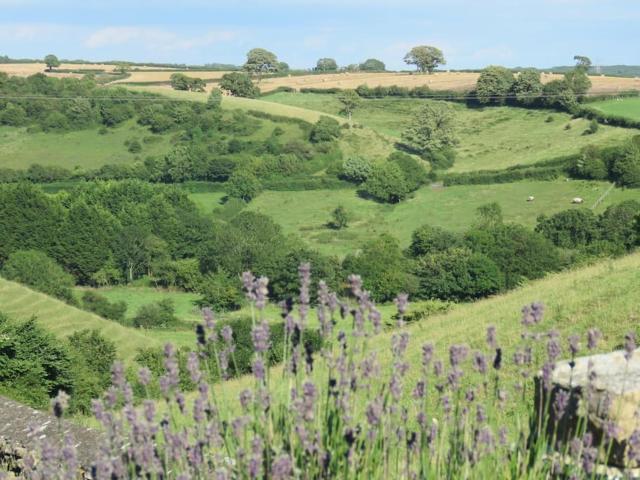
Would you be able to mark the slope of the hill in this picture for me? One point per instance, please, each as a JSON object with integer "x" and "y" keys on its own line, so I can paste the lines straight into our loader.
{"x": 21, "y": 303}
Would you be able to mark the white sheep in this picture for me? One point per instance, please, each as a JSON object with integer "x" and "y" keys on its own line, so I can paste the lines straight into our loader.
{"x": 530, "y": 198}
{"x": 577, "y": 200}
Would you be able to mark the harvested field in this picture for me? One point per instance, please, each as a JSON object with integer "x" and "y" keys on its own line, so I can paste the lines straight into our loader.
{"x": 459, "y": 81}
{"x": 152, "y": 77}
{"x": 26, "y": 69}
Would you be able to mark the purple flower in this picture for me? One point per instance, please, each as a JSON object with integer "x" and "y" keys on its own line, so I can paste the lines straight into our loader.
{"x": 60, "y": 403}
{"x": 547, "y": 373}
{"x": 374, "y": 412}
{"x": 560, "y": 403}
{"x": 481, "y": 414}
{"x": 193, "y": 366}
{"x": 438, "y": 368}
{"x": 574, "y": 345}
{"x": 629, "y": 345}
{"x": 553, "y": 347}
{"x": 480, "y": 362}
{"x": 593, "y": 337}
{"x": 259, "y": 369}
{"x": 492, "y": 341}
{"x": 227, "y": 334}
{"x": 260, "y": 337}
{"x": 427, "y": 354}
{"x": 282, "y": 467}
{"x": 245, "y": 397}
{"x": 117, "y": 375}
{"x": 457, "y": 354}
{"x": 144, "y": 376}
{"x": 633, "y": 453}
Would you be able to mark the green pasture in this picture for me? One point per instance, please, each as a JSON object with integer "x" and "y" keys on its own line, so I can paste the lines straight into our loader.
{"x": 623, "y": 107}
{"x": 490, "y": 137}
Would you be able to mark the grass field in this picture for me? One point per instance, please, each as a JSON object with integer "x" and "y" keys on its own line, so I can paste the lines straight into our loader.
{"x": 21, "y": 303}
{"x": 490, "y": 138}
{"x": 141, "y": 77}
{"x": 438, "y": 81}
{"x": 450, "y": 207}
{"x": 82, "y": 148}
{"x": 625, "y": 107}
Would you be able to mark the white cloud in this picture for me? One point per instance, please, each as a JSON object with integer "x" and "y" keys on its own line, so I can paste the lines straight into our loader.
{"x": 29, "y": 31}
{"x": 155, "y": 38}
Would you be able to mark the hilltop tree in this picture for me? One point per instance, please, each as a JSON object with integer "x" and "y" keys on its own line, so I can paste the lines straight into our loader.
{"x": 432, "y": 129}
{"x": 326, "y": 65}
{"x": 51, "y": 61}
{"x": 350, "y": 101}
{"x": 425, "y": 58}
{"x": 494, "y": 85}
{"x": 372, "y": 65}
{"x": 260, "y": 61}
{"x": 582, "y": 62}
{"x": 527, "y": 87}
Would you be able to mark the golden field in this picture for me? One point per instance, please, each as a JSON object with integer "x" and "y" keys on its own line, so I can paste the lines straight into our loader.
{"x": 459, "y": 81}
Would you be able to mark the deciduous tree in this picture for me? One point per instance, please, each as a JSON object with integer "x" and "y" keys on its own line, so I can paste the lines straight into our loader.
{"x": 425, "y": 58}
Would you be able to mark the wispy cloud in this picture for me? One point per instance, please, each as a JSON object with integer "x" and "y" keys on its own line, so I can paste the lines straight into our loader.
{"x": 155, "y": 38}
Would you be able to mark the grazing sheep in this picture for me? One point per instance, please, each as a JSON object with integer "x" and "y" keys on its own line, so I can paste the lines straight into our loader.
{"x": 577, "y": 200}
{"x": 530, "y": 198}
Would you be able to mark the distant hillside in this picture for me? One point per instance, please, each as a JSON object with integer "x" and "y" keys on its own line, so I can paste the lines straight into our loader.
{"x": 609, "y": 70}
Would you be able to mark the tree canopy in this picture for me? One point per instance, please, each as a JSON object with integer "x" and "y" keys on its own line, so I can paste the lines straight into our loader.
{"x": 372, "y": 65}
{"x": 51, "y": 61}
{"x": 260, "y": 61}
{"x": 326, "y": 65}
{"x": 432, "y": 129}
{"x": 426, "y": 58}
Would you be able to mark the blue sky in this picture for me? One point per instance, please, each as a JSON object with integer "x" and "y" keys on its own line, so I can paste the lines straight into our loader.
{"x": 472, "y": 33}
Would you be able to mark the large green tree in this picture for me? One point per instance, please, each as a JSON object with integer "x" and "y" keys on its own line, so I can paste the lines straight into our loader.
{"x": 494, "y": 85}
{"x": 261, "y": 61}
{"x": 350, "y": 101}
{"x": 326, "y": 65}
{"x": 243, "y": 184}
{"x": 372, "y": 65}
{"x": 426, "y": 58}
{"x": 527, "y": 87}
{"x": 51, "y": 61}
{"x": 387, "y": 183}
{"x": 239, "y": 84}
{"x": 432, "y": 129}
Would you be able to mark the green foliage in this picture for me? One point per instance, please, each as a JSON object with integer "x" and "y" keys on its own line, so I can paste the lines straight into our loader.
{"x": 13, "y": 115}
{"x": 220, "y": 291}
{"x": 339, "y": 218}
{"x": 356, "y": 170}
{"x": 214, "y": 100}
{"x": 593, "y": 127}
{"x": 349, "y": 99}
{"x": 326, "y": 129}
{"x": 372, "y": 65}
{"x": 183, "y": 273}
{"x": 432, "y": 129}
{"x": 37, "y": 270}
{"x": 179, "y": 81}
{"x": 100, "y": 305}
{"x": 156, "y": 315}
{"x": 430, "y": 239}
{"x": 578, "y": 81}
{"x": 494, "y": 85}
{"x": 620, "y": 224}
{"x": 260, "y": 61}
{"x": 326, "y": 65}
{"x": 519, "y": 253}
{"x": 425, "y": 58}
{"x": 243, "y": 184}
{"x": 590, "y": 164}
{"x": 414, "y": 172}
{"x": 457, "y": 274}
{"x": 489, "y": 215}
{"x": 527, "y": 87}
{"x": 239, "y": 84}
{"x": 383, "y": 268}
{"x": 625, "y": 169}
{"x": 51, "y": 61}
{"x": 570, "y": 228}
{"x": 387, "y": 183}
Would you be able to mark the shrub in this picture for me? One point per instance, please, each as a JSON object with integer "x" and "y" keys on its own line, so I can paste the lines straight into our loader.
{"x": 356, "y": 170}
{"x": 156, "y": 315}
{"x": 387, "y": 183}
{"x": 37, "y": 270}
{"x": 133, "y": 146}
{"x": 570, "y": 228}
{"x": 55, "y": 121}
{"x": 244, "y": 185}
{"x": 100, "y": 305}
{"x": 339, "y": 218}
{"x": 326, "y": 129}
{"x": 13, "y": 115}
{"x": 457, "y": 274}
{"x": 220, "y": 291}
{"x": 430, "y": 239}
{"x": 183, "y": 273}
{"x": 414, "y": 172}
{"x": 619, "y": 224}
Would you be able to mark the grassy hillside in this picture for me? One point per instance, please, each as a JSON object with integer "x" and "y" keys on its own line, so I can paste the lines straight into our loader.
{"x": 626, "y": 107}
{"x": 83, "y": 148}
{"x": 451, "y": 207}
{"x": 490, "y": 138}
{"x": 604, "y": 295}
{"x": 22, "y": 303}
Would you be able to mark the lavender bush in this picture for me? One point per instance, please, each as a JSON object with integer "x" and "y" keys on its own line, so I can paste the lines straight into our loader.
{"x": 351, "y": 411}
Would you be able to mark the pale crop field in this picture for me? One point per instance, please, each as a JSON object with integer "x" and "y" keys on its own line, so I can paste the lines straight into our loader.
{"x": 458, "y": 81}
{"x": 165, "y": 76}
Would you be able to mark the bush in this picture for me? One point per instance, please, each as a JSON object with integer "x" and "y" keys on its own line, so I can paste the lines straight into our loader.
{"x": 183, "y": 273}
{"x": 356, "y": 170}
{"x": 133, "y": 146}
{"x": 570, "y": 228}
{"x": 100, "y": 305}
{"x": 156, "y": 315}
{"x": 326, "y": 129}
{"x": 244, "y": 185}
{"x": 432, "y": 239}
{"x": 593, "y": 127}
{"x": 339, "y": 218}
{"x": 387, "y": 183}
{"x": 414, "y": 172}
{"x": 37, "y": 270}
{"x": 457, "y": 274}
{"x": 220, "y": 291}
